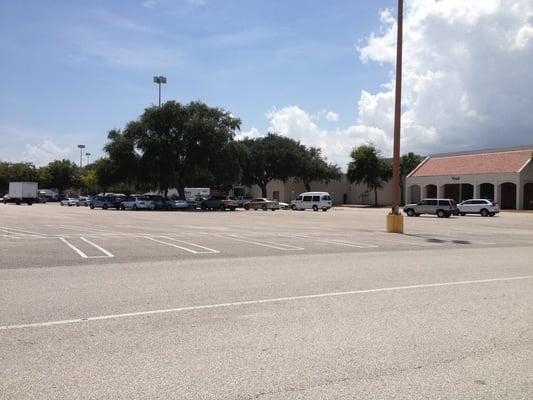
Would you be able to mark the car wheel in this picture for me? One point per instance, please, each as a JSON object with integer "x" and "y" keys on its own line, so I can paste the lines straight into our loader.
{"x": 134, "y": 207}
{"x": 440, "y": 213}
{"x": 315, "y": 208}
{"x": 264, "y": 207}
{"x": 232, "y": 208}
{"x": 122, "y": 207}
{"x": 104, "y": 207}
{"x": 417, "y": 215}
{"x": 61, "y": 204}
{"x": 293, "y": 207}
{"x": 492, "y": 214}
{"x": 410, "y": 212}
{"x": 246, "y": 207}
{"x": 484, "y": 212}
{"x": 462, "y": 214}
{"x": 91, "y": 206}
{"x": 222, "y": 207}
{"x": 324, "y": 209}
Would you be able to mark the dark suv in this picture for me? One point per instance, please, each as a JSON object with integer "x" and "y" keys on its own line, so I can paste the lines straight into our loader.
{"x": 219, "y": 203}
{"x": 104, "y": 202}
{"x": 442, "y": 208}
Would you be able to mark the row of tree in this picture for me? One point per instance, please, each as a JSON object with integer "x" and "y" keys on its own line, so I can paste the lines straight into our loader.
{"x": 193, "y": 145}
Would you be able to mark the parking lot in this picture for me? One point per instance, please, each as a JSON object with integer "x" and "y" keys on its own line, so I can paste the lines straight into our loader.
{"x": 255, "y": 304}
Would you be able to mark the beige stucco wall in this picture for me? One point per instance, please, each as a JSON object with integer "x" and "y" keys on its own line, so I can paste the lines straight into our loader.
{"x": 355, "y": 194}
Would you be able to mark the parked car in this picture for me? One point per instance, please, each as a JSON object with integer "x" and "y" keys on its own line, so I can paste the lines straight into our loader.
{"x": 218, "y": 203}
{"x": 136, "y": 203}
{"x": 479, "y": 206}
{"x": 284, "y": 206}
{"x": 103, "y": 202}
{"x": 181, "y": 204}
{"x": 83, "y": 201}
{"x": 442, "y": 208}
{"x": 69, "y": 201}
{"x": 242, "y": 200}
{"x": 263, "y": 204}
{"x": 312, "y": 200}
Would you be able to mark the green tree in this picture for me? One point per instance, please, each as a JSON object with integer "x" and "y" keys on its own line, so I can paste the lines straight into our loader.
{"x": 271, "y": 157}
{"x": 173, "y": 145}
{"x": 408, "y": 162}
{"x": 63, "y": 174}
{"x": 314, "y": 168}
{"x": 13, "y": 172}
{"x": 368, "y": 167}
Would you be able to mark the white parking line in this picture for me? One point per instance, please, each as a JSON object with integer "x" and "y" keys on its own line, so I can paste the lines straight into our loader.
{"x": 210, "y": 251}
{"x": 23, "y": 232}
{"x": 82, "y": 254}
{"x": 334, "y": 241}
{"x": 107, "y": 253}
{"x": 277, "y": 246}
{"x": 260, "y": 301}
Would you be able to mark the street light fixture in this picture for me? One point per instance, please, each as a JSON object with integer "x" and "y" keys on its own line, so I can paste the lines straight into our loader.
{"x": 87, "y": 155}
{"x": 81, "y": 147}
{"x": 395, "y": 218}
{"x": 159, "y": 80}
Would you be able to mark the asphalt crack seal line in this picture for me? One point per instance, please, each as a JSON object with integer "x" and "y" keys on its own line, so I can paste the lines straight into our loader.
{"x": 261, "y": 301}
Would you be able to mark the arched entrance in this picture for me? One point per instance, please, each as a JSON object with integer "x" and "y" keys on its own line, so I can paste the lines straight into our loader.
{"x": 528, "y": 196}
{"x": 486, "y": 191}
{"x": 508, "y": 196}
{"x": 431, "y": 191}
{"x": 467, "y": 191}
{"x": 414, "y": 193}
{"x": 452, "y": 191}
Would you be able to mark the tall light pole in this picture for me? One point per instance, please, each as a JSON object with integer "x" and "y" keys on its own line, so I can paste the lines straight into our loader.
{"x": 87, "y": 155}
{"x": 81, "y": 147}
{"x": 395, "y": 218}
{"x": 159, "y": 80}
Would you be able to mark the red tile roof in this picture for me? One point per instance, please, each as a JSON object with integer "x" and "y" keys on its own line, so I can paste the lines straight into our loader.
{"x": 481, "y": 163}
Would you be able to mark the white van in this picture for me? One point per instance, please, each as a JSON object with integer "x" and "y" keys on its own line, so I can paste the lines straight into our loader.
{"x": 312, "y": 200}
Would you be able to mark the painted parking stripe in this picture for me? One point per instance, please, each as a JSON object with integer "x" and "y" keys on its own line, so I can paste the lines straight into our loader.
{"x": 82, "y": 254}
{"x": 23, "y": 232}
{"x": 262, "y": 301}
{"x": 334, "y": 241}
{"x": 207, "y": 249}
{"x": 210, "y": 251}
{"x": 277, "y": 246}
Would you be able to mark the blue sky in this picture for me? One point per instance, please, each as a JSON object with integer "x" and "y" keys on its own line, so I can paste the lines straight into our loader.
{"x": 72, "y": 70}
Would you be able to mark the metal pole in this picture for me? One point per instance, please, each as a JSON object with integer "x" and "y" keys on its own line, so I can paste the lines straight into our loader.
{"x": 159, "y": 94}
{"x": 81, "y": 151}
{"x": 397, "y": 116}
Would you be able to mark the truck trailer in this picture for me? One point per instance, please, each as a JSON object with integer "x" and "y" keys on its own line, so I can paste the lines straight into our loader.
{"x": 22, "y": 192}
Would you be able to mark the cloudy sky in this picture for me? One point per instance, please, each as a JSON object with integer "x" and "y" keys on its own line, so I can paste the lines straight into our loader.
{"x": 320, "y": 72}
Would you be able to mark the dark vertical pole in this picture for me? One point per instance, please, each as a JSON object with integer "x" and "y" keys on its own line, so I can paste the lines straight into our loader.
{"x": 397, "y": 116}
{"x": 159, "y": 94}
{"x": 81, "y": 151}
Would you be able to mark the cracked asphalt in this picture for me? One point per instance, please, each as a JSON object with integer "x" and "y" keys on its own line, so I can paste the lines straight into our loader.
{"x": 444, "y": 312}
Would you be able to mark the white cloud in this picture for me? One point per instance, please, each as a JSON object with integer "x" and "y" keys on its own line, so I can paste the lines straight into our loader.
{"x": 46, "y": 151}
{"x": 250, "y": 134}
{"x": 466, "y": 75}
{"x": 332, "y": 116}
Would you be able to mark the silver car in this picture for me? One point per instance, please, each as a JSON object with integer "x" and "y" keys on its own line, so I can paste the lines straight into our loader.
{"x": 482, "y": 207}
{"x": 442, "y": 208}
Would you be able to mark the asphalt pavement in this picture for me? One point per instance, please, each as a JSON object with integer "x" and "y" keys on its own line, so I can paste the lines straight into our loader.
{"x": 263, "y": 305}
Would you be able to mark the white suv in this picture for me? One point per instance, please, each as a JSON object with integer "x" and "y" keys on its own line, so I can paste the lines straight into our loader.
{"x": 478, "y": 206}
{"x": 137, "y": 203}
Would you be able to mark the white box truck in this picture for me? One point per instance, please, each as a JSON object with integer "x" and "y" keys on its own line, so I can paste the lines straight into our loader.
{"x": 22, "y": 192}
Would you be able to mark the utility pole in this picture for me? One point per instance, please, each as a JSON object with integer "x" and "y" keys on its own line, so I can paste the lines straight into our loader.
{"x": 159, "y": 80}
{"x": 81, "y": 147}
{"x": 395, "y": 218}
{"x": 87, "y": 155}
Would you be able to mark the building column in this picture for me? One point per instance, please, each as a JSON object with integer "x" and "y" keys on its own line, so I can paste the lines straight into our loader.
{"x": 407, "y": 194}
{"x": 497, "y": 193}
{"x": 477, "y": 191}
{"x": 440, "y": 191}
{"x": 519, "y": 195}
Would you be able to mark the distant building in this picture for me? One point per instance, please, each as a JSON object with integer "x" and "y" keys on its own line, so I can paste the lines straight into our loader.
{"x": 501, "y": 175}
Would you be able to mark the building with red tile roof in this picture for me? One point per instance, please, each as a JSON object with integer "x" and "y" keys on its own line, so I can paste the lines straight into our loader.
{"x": 501, "y": 175}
